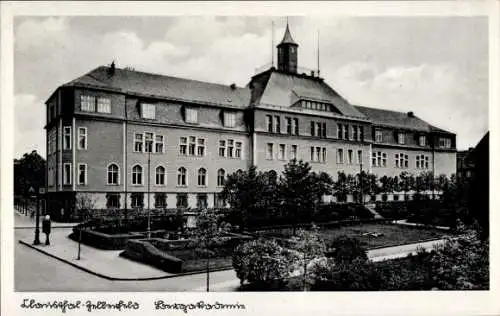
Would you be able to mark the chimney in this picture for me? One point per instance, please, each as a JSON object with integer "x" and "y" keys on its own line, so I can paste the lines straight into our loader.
{"x": 411, "y": 114}
{"x": 233, "y": 86}
{"x": 111, "y": 69}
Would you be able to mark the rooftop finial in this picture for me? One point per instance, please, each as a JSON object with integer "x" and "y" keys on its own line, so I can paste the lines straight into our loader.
{"x": 287, "y": 38}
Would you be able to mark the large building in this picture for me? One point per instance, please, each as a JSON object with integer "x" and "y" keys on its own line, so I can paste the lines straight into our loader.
{"x": 117, "y": 134}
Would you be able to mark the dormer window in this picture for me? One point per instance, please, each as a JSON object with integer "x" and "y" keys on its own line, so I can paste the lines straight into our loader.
{"x": 229, "y": 119}
{"x": 148, "y": 111}
{"x": 444, "y": 142}
{"x": 401, "y": 138}
{"x": 191, "y": 115}
{"x": 422, "y": 140}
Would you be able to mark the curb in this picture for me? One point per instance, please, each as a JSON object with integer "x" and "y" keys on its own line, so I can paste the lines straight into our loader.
{"x": 119, "y": 279}
{"x": 33, "y": 227}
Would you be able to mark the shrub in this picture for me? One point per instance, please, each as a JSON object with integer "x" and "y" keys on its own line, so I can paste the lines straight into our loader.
{"x": 263, "y": 262}
{"x": 357, "y": 275}
{"x": 345, "y": 249}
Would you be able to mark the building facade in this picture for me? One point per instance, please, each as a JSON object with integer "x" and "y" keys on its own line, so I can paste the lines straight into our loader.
{"x": 117, "y": 134}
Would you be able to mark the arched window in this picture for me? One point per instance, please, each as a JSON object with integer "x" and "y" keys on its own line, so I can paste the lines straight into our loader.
{"x": 221, "y": 175}
{"x": 160, "y": 175}
{"x": 137, "y": 174}
{"x": 181, "y": 176}
{"x": 113, "y": 174}
{"x": 202, "y": 176}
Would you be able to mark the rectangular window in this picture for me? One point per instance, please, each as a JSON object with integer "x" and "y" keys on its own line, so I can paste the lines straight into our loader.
{"x": 103, "y": 105}
{"x": 138, "y": 143}
{"x": 158, "y": 143}
{"x": 67, "y": 138}
{"x": 201, "y": 202}
{"x": 359, "y": 157}
{"x": 340, "y": 155}
{"x": 339, "y": 131}
{"x": 148, "y": 142}
{"x": 183, "y": 146}
{"x": 222, "y": 148}
{"x": 355, "y": 132}
{"x": 277, "y": 122}
{"x": 401, "y": 138}
{"x": 293, "y": 152}
{"x": 313, "y": 129}
{"x": 346, "y": 131}
{"x": 444, "y": 142}
{"x": 67, "y": 174}
{"x": 229, "y": 119}
{"x": 201, "y": 147}
{"x": 312, "y": 153}
{"x": 378, "y": 136}
{"x": 349, "y": 157}
{"x": 426, "y": 162}
{"x": 82, "y": 174}
{"x": 148, "y": 111}
{"x": 296, "y": 126}
{"x": 361, "y": 133}
{"x": 237, "y": 152}
{"x": 324, "y": 154}
{"x": 417, "y": 162}
{"x": 269, "y": 151}
{"x": 323, "y": 130}
{"x": 230, "y": 148}
{"x": 82, "y": 138}
{"x": 422, "y": 140}
{"x": 282, "y": 152}
{"x": 191, "y": 115}
{"x": 379, "y": 159}
{"x": 192, "y": 145}
{"x": 219, "y": 201}
{"x": 269, "y": 123}
{"x": 288, "y": 125}
{"x": 182, "y": 200}
{"x": 87, "y": 103}
{"x": 318, "y": 129}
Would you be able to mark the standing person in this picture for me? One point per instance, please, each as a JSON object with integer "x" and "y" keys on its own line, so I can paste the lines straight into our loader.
{"x": 46, "y": 226}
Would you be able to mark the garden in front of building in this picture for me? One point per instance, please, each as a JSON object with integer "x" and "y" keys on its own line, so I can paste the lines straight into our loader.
{"x": 285, "y": 220}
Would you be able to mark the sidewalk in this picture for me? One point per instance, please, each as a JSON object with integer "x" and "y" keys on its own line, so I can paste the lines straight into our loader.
{"x": 103, "y": 263}
{"x": 25, "y": 221}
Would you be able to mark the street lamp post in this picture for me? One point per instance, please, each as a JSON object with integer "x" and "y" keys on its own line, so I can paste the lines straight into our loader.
{"x": 37, "y": 225}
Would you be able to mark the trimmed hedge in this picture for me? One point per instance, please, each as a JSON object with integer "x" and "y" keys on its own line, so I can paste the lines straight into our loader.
{"x": 145, "y": 252}
{"x": 103, "y": 241}
{"x": 180, "y": 250}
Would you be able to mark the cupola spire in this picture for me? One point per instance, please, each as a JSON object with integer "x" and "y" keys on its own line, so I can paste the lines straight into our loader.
{"x": 287, "y": 52}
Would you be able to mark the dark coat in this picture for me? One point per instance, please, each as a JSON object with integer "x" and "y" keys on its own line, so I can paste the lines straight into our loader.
{"x": 46, "y": 226}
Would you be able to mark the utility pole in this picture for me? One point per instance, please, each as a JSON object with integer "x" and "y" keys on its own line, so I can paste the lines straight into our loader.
{"x": 361, "y": 182}
{"x": 150, "y": 147}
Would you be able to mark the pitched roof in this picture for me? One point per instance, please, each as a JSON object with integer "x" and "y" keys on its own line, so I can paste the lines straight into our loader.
{"x": 148, "y": 84}
{"x": 284, "y": 89}
{"x": 397, "y": 119}
{"x": 287, "y": 38}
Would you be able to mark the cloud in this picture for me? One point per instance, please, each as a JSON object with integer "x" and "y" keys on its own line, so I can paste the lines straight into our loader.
{"x": 438, "y": 93}
{"x": 393, "y": 63}
{"x": 29, "y": 119}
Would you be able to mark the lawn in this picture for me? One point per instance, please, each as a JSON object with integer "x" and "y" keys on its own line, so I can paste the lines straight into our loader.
{"x": 387, "y": 234}
{"x": 372, "y": 235}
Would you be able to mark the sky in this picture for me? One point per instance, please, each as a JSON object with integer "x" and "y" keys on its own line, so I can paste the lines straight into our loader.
{"x": 436, "y": 67}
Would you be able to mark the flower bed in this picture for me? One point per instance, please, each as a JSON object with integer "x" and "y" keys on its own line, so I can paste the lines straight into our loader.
{"x": 177, "y": 256}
